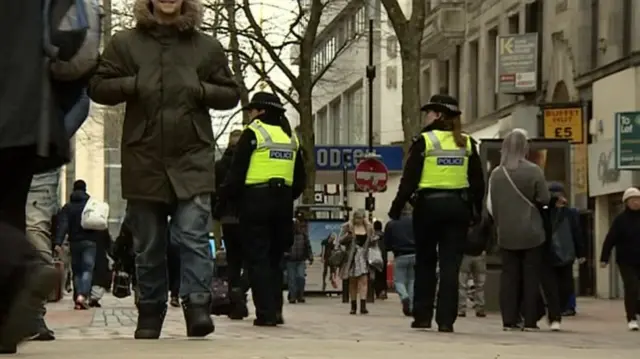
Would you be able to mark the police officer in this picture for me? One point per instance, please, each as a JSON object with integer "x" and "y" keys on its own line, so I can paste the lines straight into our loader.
{"x": 444, "y": 172}
{"x": 266, "y": 175}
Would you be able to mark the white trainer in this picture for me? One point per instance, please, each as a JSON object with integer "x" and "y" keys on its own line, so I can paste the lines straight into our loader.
{"x": 555, "y": 326}
{"x": 633, "y": 325}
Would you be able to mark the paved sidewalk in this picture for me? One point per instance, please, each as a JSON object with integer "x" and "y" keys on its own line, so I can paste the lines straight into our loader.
{"x": 322, "y": 328}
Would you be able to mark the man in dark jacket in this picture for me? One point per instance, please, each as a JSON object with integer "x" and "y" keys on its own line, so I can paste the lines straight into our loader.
{"x": 82, "y": 243}
{"x": 170, "y": 75}
{"x": 398, "y": 238}
{"x": 32, "y": 140}
{"x": 567, "y": 245}
{"x": 266, "y": 176}
{"x": 296, "y": 256}
{"x": 227, "y": 215}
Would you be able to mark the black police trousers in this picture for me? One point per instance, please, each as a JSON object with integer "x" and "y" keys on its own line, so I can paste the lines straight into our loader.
{"x": 440, "y": 224}
{"x": 266, "y": 220}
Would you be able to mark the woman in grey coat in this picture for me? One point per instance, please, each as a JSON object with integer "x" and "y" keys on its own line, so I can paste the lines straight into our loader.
{"x": 517, "y": 192}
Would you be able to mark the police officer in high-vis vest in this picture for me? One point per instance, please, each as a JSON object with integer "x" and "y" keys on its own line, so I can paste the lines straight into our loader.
{"x": 266, "y": 175}
{"x": 443, "y": 175}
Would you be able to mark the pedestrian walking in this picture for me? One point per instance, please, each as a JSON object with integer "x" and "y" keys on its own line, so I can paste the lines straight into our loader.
{"x": 296, "y": 258}
{"x": 517, "y": 194}
{"x": 227, "y": 214}
{"x": 357, "y": 236}
{"x": 444, "y": 172}
{"x": 474, "y": 267}
{"x": 170, "y": 75}
{"x": 398, "y": 238}
{"x": 624, "y": 237}
{"x": 267, "y": 174}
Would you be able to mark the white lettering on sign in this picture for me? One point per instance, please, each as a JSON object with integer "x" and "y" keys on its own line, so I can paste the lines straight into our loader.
{"x": 625, "y": 125}
{"x": 340, "y": 156}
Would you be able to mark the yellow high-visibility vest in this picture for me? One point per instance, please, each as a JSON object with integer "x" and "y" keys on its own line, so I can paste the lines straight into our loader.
{"x": 274, "y": 156}
{"x": 445, "y": 164}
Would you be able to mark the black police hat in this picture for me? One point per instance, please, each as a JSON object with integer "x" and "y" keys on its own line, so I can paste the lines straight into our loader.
{"x": 263, "y": 101}
{"x": 442, "y": 103}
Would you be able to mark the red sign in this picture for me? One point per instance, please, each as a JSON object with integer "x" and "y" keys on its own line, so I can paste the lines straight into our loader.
{"x": 371, "y": 175}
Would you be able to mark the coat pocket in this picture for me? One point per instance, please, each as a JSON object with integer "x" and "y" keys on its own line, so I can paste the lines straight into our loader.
{"x": 202, "y": 128}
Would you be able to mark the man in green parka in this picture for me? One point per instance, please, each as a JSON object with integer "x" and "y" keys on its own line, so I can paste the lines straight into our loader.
{"x": 170, "y": 75}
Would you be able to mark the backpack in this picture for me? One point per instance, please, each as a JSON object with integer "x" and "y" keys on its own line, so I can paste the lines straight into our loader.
{"x": 72, "y": 37}
{"x": 95, "y": 215}
{"x": 562, "y": 246}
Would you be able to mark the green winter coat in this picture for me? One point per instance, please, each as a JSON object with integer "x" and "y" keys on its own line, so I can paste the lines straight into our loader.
{"x": 169, "y": 76}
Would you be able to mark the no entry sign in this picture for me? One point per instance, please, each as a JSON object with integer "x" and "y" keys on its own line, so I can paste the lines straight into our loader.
{"x": 371, "y": 175}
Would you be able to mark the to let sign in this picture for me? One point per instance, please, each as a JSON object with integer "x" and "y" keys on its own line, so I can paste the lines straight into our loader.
{"x": 564, "y": 123}
{"x": 627, "y": 144}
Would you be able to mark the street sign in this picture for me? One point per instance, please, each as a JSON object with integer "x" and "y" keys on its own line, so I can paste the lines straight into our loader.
{"x": 371, "y": 175}
{"x": 564, "y": 123}
{"x": 334, "y": 158}
{"x": 627, "y": 135}
{"x": 517, "y": 63}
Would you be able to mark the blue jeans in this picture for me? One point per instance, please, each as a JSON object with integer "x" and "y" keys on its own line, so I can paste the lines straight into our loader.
{"x": 189, "y": 229}
{"x": 296, "y": 271}
{"x": 404, "y": 276}
{"x": 83, "y": 258}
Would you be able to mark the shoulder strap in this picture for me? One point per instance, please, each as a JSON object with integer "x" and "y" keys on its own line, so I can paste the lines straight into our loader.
{"x": 504, "y": 170}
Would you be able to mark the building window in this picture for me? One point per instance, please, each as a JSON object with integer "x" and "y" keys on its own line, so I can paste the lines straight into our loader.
{"x": 355, "y": 116}
{"x": 392, "y": 46}
{"x": 321, "y": 127}
{"x": 473, "y": 80}
{"x": 514, "y": 24}
{"x": 392, "y": 77}
{"x": 357, "y": 23}
{"x": 492, "y": 96}
{"x": 335, "y": 121}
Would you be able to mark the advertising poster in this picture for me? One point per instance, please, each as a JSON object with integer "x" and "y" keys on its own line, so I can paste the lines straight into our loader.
{"x": 321, "y": 232}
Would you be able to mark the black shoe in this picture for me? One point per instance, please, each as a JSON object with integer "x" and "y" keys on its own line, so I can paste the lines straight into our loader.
{"x": 481, "y": 314}
{"x": 279, "y": 319}
{"x": 150, "y": 320}
{"x": 292, "y": 301}
{"x": 174, "y": 302}
{"x": 37, "y": 282}
{"x": 260, "y": 322}
{"x": 406, "y": 307}
{"x": 95, "y": 304}
{"x": 196, "y": 309}
{"x": 511, "y": 328}
{"x": 302, "y": 300}
{"x": 42, "y": 332}
{"x": 445, "y": 328}
{"x": 363, "y": 307}
{"x": 354, "y": 307}
{"x": 569, "y": 313}
{"x": 421, "y": 324}
{"x": 9, "y": 350}
{"x": 462, "y": 314}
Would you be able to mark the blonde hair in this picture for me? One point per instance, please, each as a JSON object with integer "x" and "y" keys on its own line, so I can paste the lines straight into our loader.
{"x": 360, "y": 213}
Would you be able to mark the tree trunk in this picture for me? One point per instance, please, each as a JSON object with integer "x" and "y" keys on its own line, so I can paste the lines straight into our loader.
{"x": 307, "y": 141}
{"x": 411, "y": 117}
{"x": 236, "y": 61}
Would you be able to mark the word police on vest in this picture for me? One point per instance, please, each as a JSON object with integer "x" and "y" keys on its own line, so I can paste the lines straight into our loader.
{"x": 450, "y": 161}
{"x": 281, "y": 155}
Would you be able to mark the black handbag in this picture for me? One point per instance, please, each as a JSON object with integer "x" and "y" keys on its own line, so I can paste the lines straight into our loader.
{"x": 121, "y": 282}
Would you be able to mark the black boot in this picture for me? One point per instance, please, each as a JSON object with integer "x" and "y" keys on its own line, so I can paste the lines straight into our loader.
{"x": 9, "y": 350}
{"x": 239, "y": 308}
{"x": 31, "y": 285}
{"x": 150, "y": 319}
{"x": 354, "y": 307}
{"x": 363, "y": 306}
{"x": 196, "y": 308}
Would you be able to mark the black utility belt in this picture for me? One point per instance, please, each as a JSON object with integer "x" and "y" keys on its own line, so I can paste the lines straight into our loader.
{"x": 272, "y": 183}
{"x": 433, "y": 193}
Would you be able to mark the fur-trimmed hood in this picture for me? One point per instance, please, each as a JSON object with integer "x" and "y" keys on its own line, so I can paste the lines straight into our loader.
{"x": 190, "y": 19}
